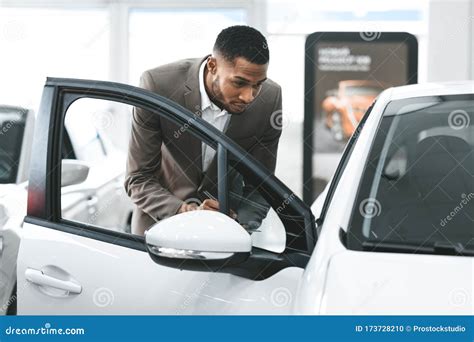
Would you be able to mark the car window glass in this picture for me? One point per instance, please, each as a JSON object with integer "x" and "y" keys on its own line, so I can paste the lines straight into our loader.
{"x": 396, "y": 166}
{"x": 85, "y": 123}
{"x": 101, "y": 200}
{"x": 255, "y": 214}
{"x": 418, "y": 187}
{"x": 93, "y": 176}
{"x": 12, "y": 126}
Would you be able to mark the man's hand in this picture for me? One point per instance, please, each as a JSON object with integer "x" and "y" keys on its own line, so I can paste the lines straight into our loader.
{"x": 187, "y": 207}
{"x": 210, "y": 204}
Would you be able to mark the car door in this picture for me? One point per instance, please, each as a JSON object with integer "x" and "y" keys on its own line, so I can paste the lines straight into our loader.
{"x": 70, "y": 267}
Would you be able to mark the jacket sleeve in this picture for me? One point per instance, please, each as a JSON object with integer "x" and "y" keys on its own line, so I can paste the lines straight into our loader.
{"x": 144, "y": 162}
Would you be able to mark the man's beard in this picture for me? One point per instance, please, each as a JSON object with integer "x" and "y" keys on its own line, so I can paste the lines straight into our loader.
{"x": 216, "y": 97}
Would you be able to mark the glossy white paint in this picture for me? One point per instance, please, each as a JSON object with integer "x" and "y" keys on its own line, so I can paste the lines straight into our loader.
{"x": 13, "y": 201}
{"x": 98, "y": 199}
{"x": 117, "y": 280}
{"x": 271, "y": 234}
{"x": 361, "y": 283}
{"x": 200, "y": 230}
{"x": 339, "y": 281}
{"x": 432, "y": 89}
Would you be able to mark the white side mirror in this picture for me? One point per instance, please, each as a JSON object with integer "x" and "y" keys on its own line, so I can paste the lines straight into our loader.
{"x": 73, "y": 172}
{"x": 198, "y": 235}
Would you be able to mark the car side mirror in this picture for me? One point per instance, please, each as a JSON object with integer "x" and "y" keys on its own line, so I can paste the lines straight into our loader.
{"x": 73, "y": 172}
{"x": 198, "y": 240}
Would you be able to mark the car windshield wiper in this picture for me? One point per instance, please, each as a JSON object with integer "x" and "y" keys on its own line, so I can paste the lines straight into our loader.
{"x": 438, "y": 248}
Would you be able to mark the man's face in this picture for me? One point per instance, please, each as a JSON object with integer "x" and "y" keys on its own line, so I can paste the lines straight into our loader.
{"x": 234, "y": 85}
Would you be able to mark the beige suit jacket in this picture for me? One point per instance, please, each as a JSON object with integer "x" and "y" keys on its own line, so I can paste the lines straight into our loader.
{"x": 164, "y": 164}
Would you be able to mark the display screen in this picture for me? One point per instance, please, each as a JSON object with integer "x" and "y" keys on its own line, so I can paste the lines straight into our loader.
{"x": 345, "y": 72}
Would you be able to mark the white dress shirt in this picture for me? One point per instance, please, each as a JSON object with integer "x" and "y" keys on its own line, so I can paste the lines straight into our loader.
{"x": 213, "y": 115}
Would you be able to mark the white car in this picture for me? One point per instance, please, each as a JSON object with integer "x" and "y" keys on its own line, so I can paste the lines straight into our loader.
{"x": 391, "y": 234}
{"x": 84, "y": 189}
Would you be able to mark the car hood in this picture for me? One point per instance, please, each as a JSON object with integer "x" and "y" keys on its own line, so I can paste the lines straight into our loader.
{"x": 393, "y": 283}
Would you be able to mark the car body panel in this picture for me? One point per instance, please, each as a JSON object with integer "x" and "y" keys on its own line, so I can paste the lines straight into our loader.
{"x": 119, "y": 280}
{"x": 76, "y": 203}
{"x": 13, "y": 204}
{"x": 325, "y": 281}
{"x": 363, "y": 283}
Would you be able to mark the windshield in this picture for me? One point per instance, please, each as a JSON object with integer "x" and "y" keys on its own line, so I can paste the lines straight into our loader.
{"x": 12, "y": 126}
{"x": 418, "y": 185}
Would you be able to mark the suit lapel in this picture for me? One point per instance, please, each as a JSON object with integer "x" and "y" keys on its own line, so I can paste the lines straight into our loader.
{"x": 192, "y": 101}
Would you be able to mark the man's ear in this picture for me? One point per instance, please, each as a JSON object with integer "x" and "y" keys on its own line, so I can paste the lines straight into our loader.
{"x": 212, "y": 65}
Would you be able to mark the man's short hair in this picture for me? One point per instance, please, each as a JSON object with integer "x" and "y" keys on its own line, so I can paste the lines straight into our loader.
{"x": 242, "y": 41}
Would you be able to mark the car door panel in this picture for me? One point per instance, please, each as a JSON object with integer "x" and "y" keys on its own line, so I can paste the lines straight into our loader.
{"x": 129, "y": 282}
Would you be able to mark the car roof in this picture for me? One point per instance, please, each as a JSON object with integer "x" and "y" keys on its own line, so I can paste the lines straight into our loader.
{"x": 431, "y": 89}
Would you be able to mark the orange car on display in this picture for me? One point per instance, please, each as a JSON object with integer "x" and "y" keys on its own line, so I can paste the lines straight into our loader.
{"x": 345, "y": 106}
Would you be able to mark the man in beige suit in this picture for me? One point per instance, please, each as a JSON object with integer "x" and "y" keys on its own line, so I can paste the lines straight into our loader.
{"x": 167, "y": 167}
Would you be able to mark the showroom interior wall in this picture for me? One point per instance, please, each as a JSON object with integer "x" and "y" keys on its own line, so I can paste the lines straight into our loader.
{"x": 451, "y": 48}
{"x": 117, "y": 40}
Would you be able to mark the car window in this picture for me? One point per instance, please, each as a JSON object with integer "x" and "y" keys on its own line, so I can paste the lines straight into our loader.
{"x": 12, "y": 127}
{"x": 418, "y": 187}
{"x": 94, "y": 188}
{"x": 85, "y": 123}
{"x": 98, "y": 199}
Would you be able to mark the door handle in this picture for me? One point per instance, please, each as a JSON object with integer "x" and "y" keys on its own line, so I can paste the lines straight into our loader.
{"x": 39, "y": 278}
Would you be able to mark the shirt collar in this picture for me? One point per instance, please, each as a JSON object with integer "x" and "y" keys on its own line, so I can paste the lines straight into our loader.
{"x": 205, "y": 100}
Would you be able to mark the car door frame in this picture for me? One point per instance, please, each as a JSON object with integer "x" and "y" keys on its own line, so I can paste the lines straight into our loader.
{"x": 44, "y": 200}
